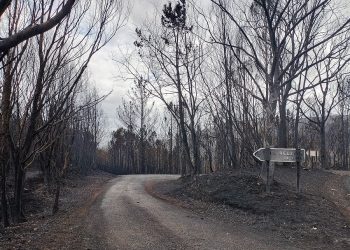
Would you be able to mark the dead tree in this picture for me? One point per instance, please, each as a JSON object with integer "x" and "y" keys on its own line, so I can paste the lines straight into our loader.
{"x": 62, "y": 56}
{"x": 136, "y": 113}
{"x": 173, "y": 56}
{"x": 277, "y": 37}
{"x": 33, "y": 29}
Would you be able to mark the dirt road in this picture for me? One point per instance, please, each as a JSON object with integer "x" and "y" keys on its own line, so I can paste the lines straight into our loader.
{"x": 127, "y": 217}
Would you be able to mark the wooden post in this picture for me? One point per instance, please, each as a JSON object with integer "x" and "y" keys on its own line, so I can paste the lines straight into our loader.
{"x": 298, "y": 160}
{"x": 268, "y": 169}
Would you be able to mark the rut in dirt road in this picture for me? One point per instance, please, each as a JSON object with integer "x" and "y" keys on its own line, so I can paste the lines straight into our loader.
{"x": 127, "y": 217}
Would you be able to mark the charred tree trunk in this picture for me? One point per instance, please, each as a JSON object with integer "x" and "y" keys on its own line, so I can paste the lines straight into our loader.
{"x": 4, "y": 205}
{"x": 143, "y": 169}
{"x": 323, "y": 150}
{"x": 196, "y": 152}
{"x": 18, "y": 211}
{"x": 229, "y": 113}
{"x": 296, "y": 137}
{"x": 5, "y": 139}
{"x": 271, "y": 133}
{"x": 183, "y": 129}
{"x": 170, "y": 159}
{"x": 282, "y": 129}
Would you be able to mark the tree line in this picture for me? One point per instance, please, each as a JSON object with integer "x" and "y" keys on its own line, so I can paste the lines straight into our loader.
{"x": 50, "y": 117}
{"x": 235, "y": 77}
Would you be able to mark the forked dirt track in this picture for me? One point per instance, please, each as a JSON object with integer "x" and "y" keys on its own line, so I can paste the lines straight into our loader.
{"x": 126, "y": 216}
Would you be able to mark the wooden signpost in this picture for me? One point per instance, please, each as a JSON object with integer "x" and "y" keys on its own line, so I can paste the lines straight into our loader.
{"x": 280, "y": 155}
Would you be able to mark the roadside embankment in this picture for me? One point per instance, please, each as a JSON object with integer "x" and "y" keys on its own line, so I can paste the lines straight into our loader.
{"x": 64, "y": 230}
{"x": 308, "y": 220}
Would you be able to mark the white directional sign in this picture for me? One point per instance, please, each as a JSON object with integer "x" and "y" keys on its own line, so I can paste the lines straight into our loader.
{"x": 280, "y": 154}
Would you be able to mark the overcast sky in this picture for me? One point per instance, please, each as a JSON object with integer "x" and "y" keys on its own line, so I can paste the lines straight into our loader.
{"x": 104, "y": 71}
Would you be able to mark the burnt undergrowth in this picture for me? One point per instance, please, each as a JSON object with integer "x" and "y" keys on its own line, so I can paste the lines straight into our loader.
{"x": 296, "y": 216}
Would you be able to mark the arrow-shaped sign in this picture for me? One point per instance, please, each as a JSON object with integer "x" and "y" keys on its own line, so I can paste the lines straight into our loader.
{"x": 280, "y": 154}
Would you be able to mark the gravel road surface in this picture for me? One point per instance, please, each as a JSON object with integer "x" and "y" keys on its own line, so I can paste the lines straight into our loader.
{"x": 127, "y": 217}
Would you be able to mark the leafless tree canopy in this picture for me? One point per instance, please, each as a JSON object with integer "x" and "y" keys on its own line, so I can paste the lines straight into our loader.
{"x": 243, "y": 75}
{"x": 209, "y": 87}
{"x": 50, "y": 118}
